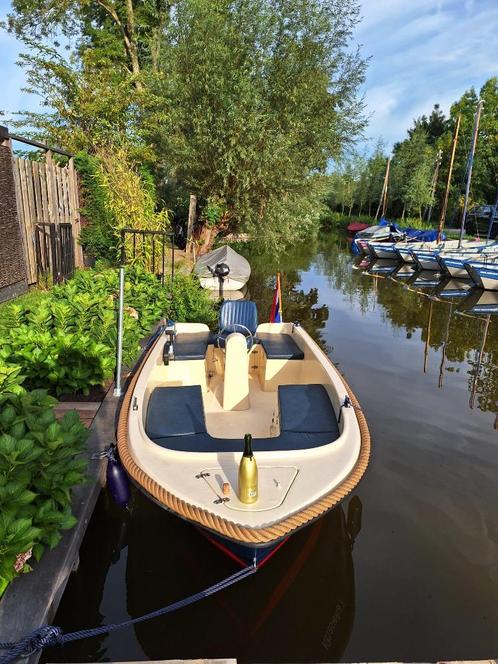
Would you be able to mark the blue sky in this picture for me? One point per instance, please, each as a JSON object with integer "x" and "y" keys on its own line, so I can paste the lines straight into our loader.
{"x": 422, "y": 52}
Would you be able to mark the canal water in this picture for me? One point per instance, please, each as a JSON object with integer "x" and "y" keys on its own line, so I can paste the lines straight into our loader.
{"x": 406, "y": 569}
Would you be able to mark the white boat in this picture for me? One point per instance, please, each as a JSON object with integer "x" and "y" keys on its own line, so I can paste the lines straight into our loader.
{"x": 381, "y": 233}
{"x": 453, "y": 261}
{"x": 194, "y": 397}
{"x": 484, "y": 272}
{"x": 224, "y": 268}
{"x": 426, "y": 256}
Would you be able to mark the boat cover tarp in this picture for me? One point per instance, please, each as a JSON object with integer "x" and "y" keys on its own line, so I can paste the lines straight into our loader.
{"x": 239, "y": 266}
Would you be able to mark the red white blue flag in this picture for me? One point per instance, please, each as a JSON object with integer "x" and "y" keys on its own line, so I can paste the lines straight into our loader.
{"x": 276, "y": 307}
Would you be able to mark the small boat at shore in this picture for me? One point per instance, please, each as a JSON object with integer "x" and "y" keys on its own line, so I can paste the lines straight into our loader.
{"x": 484, "y": 272}
{"x": 426, "y": 256}
{"x": 195, "y": 396}
{"x": 453, "y": 262}
{"x": 356, "y": 227}
{"x": 383, "y": 232}
{"x": 223, "y": 269}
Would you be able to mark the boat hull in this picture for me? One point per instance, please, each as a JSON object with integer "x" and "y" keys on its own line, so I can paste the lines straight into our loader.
{"x": 243, "y": 554}
{"x": 483, "y": 274}
{"x": 383, "y": 250}
{"x": 229, "y": 283}
{"x": 405, "y": 253}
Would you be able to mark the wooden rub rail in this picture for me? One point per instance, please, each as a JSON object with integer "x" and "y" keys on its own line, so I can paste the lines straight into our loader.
{"x": 220, "y": 525}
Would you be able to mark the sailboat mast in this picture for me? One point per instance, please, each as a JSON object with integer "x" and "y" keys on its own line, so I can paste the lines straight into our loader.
{"x": 383, "y": 196}
{"x": 434, "y": 183}
{"x": 448, "y": 182}
{"x": 469, "y": 175}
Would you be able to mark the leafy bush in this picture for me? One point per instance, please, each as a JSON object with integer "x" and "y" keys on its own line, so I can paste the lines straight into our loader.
{"x": 65, "y": 340}
{"x": 97, "y": 235}
{"x": 117, "y": 194}
{"x": 39, "y": 465}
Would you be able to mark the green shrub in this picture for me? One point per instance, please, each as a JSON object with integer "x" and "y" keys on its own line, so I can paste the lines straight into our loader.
{"x": 39, "y": 466}
{"x": 97, "y": 236}
{"x": 65, "y": 340}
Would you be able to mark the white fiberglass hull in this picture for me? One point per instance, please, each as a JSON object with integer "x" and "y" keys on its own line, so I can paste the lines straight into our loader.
{"x": 236, "y": 392}
{"x": 229, "y": 283}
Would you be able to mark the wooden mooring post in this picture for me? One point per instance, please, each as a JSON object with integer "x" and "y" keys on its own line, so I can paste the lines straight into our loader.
{"x": 192, "y": 210}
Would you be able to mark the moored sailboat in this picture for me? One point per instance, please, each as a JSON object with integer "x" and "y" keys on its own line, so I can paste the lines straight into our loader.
{"x": 484, "y": 272}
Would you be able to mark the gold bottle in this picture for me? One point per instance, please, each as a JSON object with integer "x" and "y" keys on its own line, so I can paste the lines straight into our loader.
{"x": 248, "y": 474}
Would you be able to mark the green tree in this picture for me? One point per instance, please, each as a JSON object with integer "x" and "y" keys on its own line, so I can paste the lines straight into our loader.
{"x": 412, "y": 169}
{"x": 243, "y": 102}
{"x": 262, "y": 95}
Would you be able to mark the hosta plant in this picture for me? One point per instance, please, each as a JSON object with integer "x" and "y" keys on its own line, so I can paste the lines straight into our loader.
{"x": 40, "y": 463}
{"x": 65, "y": 340}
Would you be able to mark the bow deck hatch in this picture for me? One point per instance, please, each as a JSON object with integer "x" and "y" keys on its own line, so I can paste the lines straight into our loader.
{"x": 274, "y": 483}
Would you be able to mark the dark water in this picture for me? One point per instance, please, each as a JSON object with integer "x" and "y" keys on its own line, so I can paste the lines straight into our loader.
{"x": 418, "y": 582}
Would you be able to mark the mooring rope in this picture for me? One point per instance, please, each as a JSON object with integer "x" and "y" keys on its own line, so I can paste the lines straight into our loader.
{"x": 49, "y": 635}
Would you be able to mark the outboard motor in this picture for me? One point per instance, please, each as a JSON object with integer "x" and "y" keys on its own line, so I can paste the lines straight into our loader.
{"x": 221, "y": 271}
{"x": 170, "y": 334}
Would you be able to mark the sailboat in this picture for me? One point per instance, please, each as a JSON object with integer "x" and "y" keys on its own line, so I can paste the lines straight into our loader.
{"x": 426, "y": 258}
{"x": 453, "y": 261}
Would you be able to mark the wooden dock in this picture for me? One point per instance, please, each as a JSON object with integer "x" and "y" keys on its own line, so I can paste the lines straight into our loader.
{"x": 85, "y": 409}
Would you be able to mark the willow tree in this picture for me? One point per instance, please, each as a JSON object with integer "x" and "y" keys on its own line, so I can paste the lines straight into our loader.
{"x": 261, "y": 95}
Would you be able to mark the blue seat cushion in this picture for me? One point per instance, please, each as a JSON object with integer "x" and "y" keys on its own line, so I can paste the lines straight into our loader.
{"x": 238, "y": 312}
{"x": 286, "y": 441}
{"x": 191, "y": 345}
{"x": 175, "y": 411}
{"x": 280, "y": 346}
{"x": 306, "y": 409}
{"x": 176, "y": 421}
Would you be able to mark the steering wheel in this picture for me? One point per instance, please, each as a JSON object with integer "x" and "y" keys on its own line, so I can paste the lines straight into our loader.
{"x": 229, "y": 329}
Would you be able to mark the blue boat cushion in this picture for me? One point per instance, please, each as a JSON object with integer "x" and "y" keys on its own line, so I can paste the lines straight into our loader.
{"x": 242, "y": 312}
{"x": 191, "y": 345}
{"x": 306, "y": 409}
{"x": 280, "y": 346}
{"x": 307, "y": 420}
{"x": 175, "y": 411}
{"x": 203, "y": 442}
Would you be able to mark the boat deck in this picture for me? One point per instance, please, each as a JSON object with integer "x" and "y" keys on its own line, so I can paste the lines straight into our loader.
{"x": 257, "y": 419}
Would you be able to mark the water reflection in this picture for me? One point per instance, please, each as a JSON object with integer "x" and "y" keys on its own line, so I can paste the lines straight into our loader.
{"x": 423, "y": 302}
{"x": 154, "y": 559}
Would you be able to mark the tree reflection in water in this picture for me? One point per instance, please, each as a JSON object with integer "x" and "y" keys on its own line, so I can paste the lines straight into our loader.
{"x": 445, "y": 331}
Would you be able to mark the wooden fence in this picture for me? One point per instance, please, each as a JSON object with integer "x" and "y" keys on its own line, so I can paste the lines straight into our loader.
{"x": 46, "y": 194}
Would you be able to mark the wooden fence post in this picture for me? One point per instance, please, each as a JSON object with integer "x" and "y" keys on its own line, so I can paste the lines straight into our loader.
{"x": 190, "y": 224}
{"x": 74, "y": 204}
{"x": 13, "y": 264}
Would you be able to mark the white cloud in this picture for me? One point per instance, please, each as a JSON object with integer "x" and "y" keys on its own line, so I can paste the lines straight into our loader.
{"x": 423, "y": 54}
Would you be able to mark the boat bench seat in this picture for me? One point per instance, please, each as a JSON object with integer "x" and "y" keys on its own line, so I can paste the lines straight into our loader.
{"x": 175, "y": 420}
{"x": 280, "y": 346}
{"x": 191, "y": 345}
